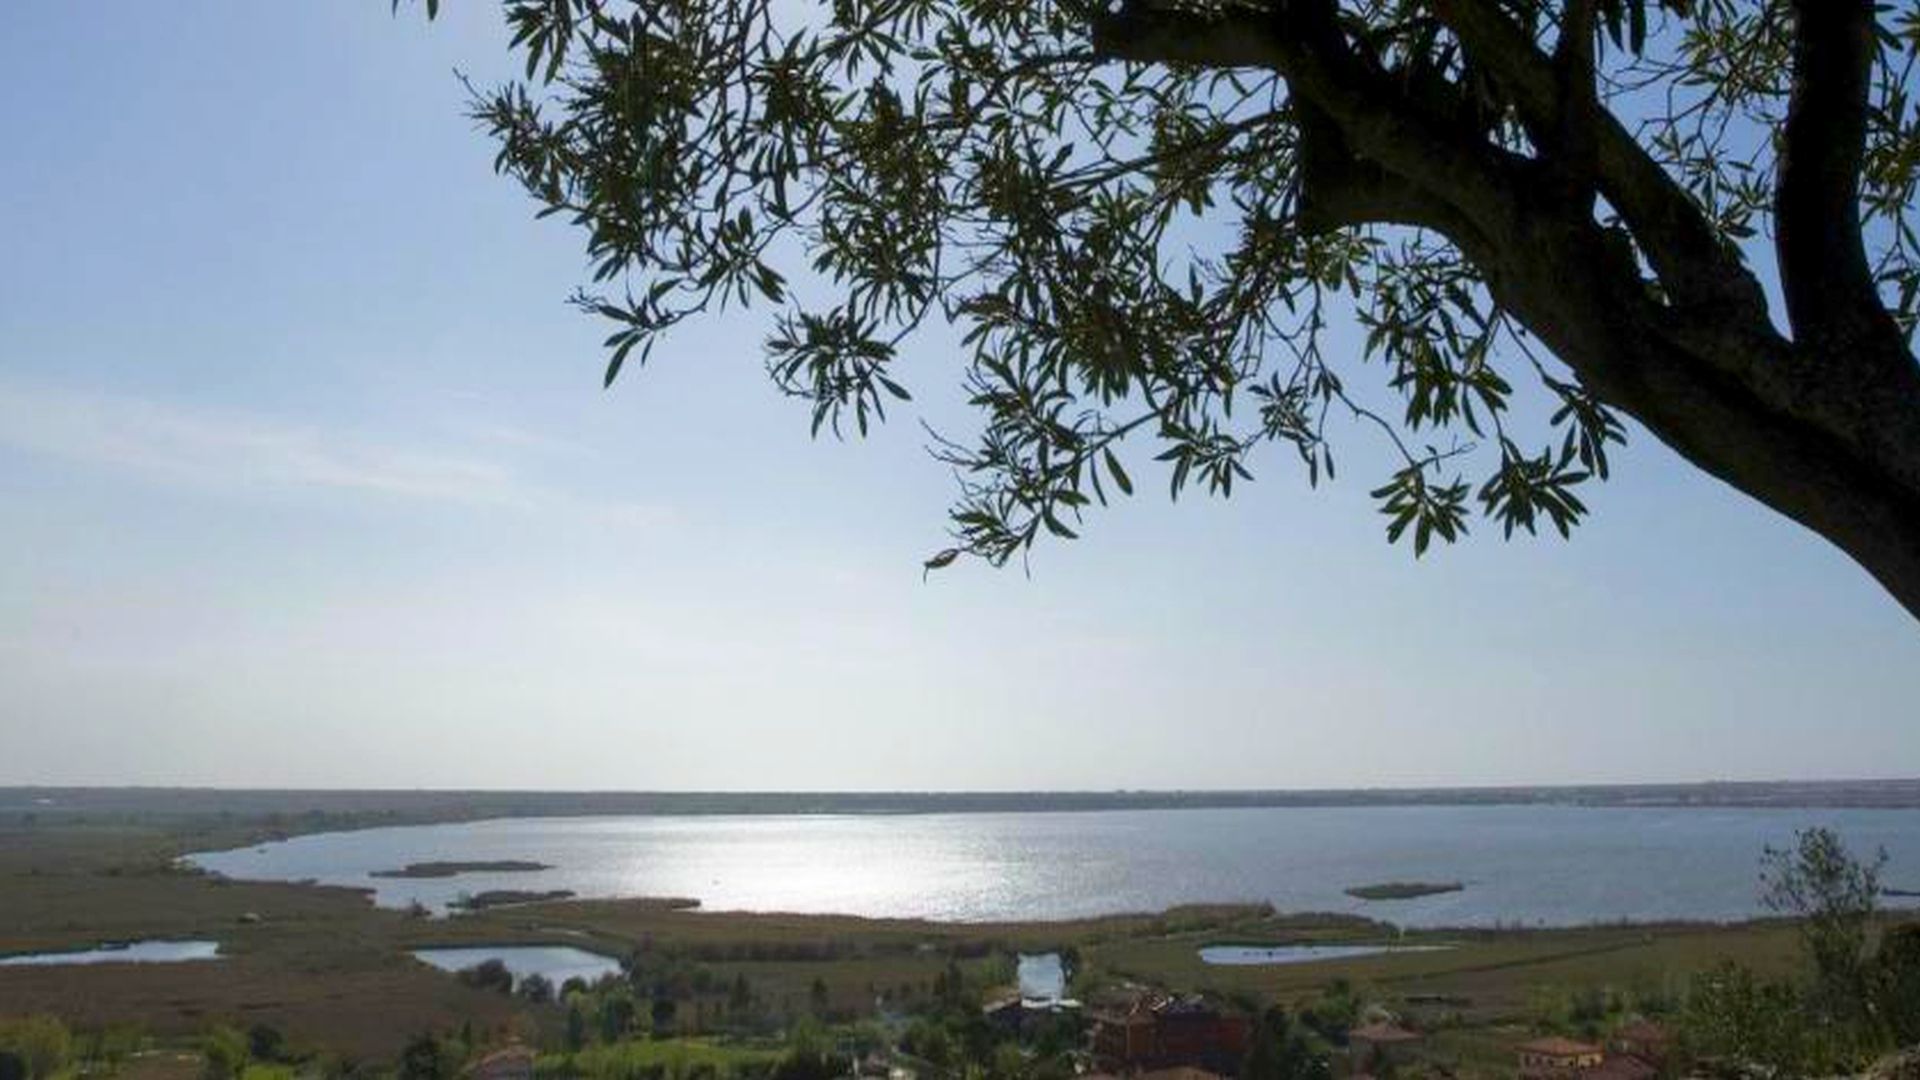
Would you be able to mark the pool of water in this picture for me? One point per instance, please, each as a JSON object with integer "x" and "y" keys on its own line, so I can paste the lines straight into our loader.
{"x": 133, "y": 952}
{"x": 556, "y": 963}
{"x": 1042, "y": 977}
{"x": 1250, "y": 955}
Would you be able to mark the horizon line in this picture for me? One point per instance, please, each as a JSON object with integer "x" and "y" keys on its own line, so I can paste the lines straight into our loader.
{"x": 989, "y": 792}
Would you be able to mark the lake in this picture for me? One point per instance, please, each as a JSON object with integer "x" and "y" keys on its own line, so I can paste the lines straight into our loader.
{"x": 555, "y": 963}
{"x": 135, "y": 952}
{"x": 1526, "y": 865}
{"x": 1262, "y": 955}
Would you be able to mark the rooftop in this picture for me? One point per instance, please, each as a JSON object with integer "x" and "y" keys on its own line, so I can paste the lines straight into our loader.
{"x": 1620, "y": 1067}
{"x": 1557, "y": 1046}
{"x": 1641, "y": 1030}
{"x": 1383, "y": 1033}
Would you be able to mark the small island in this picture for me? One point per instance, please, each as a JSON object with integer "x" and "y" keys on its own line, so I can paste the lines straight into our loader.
{"x": 450, "y": 869}
{"x": 501, "y": 897}
{"x": 1403, "y": 890}
{"x": 1890, "y": 890}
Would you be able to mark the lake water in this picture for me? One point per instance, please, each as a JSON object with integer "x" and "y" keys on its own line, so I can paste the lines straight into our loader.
{"x": 1261, "y": 955}
{"x": 557, "y": 963}
{"x": 1532, "y": 865}
{"x": 138, "y": 952}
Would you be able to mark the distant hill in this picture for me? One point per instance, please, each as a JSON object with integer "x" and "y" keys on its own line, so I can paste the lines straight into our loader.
{"x": 346, "y": 807}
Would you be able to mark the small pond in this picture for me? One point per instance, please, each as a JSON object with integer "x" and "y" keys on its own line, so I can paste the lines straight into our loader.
{"x": 556, "y": 963}
{"x": 132, "y": 952}
{"x": 1042, "y": 977}
{"x": 1302, "y": 954}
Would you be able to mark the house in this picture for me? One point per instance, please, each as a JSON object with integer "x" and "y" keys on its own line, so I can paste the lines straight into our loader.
{"x": 1157, "y": 1032}
{"x": 1556, "y": 1058}
{"x": 1014, "y": 1015}
{"x": 1123, "y": 1036}
{"x": 1006, "y": 1013}
{"x": 511, "y": 1062}
{"x": 1381, "y": 1044}
{"x": 1642, "y": 1039}
{"x": 1194, "y": 1032}
{"x": 1621, "y": 1067}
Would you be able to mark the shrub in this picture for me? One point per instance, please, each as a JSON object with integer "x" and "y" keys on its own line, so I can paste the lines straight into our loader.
{"x": 42, "y": 1044}
{"x": 536, "y": 988}
{"x": 224, "y": 1053}
{"x": 266, "y": 1043}
{"x": 488, "y": 975}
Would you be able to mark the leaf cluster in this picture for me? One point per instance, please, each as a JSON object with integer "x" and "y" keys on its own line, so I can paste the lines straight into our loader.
{"x": 1120, "y": 246}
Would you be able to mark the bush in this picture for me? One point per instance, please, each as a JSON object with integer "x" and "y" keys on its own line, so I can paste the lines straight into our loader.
{"x": 929, "y": 1040}
{"x": 225, "y": 1053}
{"x": 616, "y": 1014}
{"x": 488, "y": 975}
{"x": 40, "y": 1043}
{"x": 1281, "y": 1050}
{"x": 1833, "y": 895}
{"x": 1897, "y": 985}
{"x": 266, "y": 1043}
{"x": 1851, "y": 1002}
{"x": 536, "y": 988}
{"x": 576, "y": 1027}
{"x": 426, "y": 1058}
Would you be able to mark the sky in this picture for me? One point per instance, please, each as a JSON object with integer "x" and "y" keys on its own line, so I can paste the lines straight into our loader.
{"x": 307, "y": 480}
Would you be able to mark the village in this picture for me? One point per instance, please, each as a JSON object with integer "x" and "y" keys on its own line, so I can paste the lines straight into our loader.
{"x": 1142, "y": 1033}
{"x": 1155, "y": 1035}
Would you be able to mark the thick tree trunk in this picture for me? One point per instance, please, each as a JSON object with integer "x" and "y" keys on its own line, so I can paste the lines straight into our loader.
{"x": 1787, "y": 464}
{"x": 1839, "y": 452}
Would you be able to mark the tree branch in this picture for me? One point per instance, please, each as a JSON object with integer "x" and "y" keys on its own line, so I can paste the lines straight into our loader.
{"x": 1409, "y": 168}
{"x": 1693, "y": 264}
{"x": 1829, "y": 288}
{"x": 1574, "y": 156}
{"x": 1146, "y": 33}
{"x": 1338, "y": 189}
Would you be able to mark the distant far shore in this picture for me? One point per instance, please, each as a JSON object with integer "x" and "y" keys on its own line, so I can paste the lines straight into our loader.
{"x": 374, "y": 807}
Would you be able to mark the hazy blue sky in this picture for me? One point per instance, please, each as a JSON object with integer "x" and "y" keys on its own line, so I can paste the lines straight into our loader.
{"x": 306, "y": 478}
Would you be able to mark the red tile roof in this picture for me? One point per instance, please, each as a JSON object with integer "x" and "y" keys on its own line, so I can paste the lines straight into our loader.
{"x": 1383, "y": 1033}
{"x": 1642, "y": 1031}
{"x": 1557, "y": 1046}
{"x": 1620, "y": 1067}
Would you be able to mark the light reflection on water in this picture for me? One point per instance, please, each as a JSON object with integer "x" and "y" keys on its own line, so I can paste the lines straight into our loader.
{"x": 1534, "y": 864}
